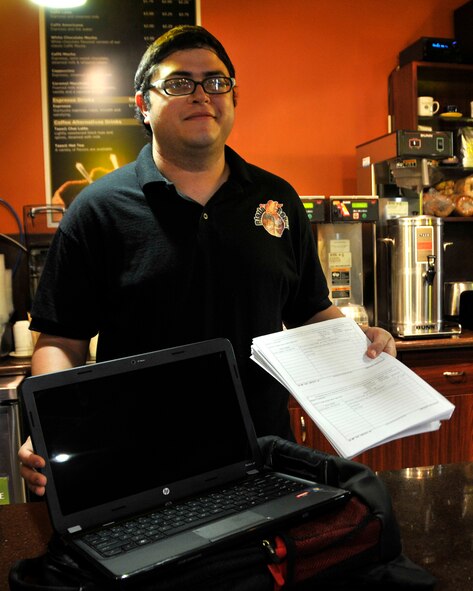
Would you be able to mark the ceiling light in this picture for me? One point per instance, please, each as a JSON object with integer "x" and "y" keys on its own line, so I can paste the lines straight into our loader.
{"x": 60, "y": 3}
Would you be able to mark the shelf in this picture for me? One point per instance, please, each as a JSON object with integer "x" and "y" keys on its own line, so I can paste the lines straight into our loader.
{"x": 457, "y": 218}
{"x": 460, "y": 121}
{"x": 454, "y": 171}
{"x": 449, "y": 84}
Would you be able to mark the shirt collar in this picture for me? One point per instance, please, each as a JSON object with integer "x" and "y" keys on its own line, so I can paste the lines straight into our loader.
{"x": 147, "y": 171}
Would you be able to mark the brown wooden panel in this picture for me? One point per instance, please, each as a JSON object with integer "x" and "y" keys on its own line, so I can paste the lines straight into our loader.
{"x": 450, "y": 371}
{"x": 435, "y": 357}
{"x": 453, "y": 442}
{"x": 403, "y": 97}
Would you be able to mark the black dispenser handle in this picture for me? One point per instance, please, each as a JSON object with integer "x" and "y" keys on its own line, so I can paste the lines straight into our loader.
{"x": 430, "y": 273}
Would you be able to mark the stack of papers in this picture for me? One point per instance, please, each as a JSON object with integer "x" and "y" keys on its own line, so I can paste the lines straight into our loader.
{"x": 357, "y": 402}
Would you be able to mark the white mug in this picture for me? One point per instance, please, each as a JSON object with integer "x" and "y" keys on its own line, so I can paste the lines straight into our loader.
{"x": 22, "y": 338}
{"x": 426, "y": 106}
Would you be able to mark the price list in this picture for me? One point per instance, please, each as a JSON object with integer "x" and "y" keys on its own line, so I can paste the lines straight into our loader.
{"x": 89, "y": 58}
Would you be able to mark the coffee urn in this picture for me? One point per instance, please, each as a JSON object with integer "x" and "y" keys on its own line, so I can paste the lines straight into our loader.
{"x": 414, "y": 291}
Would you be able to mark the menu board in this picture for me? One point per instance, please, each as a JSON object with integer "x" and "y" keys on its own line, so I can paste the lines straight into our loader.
{"x": 89, "y": 58}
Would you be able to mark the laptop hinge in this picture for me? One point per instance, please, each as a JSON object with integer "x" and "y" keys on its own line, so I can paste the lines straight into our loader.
{"x": 74, "y": 529}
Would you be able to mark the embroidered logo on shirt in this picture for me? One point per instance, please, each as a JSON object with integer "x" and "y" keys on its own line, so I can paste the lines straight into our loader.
{"x": 271, "y": 216}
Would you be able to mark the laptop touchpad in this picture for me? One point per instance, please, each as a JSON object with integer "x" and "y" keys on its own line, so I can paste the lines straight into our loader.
{"x": 215, "y": 531}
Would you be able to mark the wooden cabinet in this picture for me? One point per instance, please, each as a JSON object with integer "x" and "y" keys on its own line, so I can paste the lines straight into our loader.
{"x": 449, "y": 84}
{"x": 450, "y": 371}
{"x": 446, "y": 364}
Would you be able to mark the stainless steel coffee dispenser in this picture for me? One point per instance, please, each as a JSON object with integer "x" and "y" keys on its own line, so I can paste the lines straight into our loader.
{"x": 414, "y": 291}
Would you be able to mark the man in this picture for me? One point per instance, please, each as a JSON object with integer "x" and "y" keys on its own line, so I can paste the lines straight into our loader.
{"x": 188, "y": 243}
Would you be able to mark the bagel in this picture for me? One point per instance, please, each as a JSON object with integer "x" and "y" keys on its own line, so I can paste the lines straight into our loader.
{"x": 464, "y": 205}
{"x": 464, "y": 186}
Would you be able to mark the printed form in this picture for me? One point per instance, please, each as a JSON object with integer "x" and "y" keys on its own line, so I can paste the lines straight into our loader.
{"x": 357, "y": 402}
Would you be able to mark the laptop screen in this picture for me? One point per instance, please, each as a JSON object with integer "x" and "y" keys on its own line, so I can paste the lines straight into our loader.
{"x": 127, "y": 432}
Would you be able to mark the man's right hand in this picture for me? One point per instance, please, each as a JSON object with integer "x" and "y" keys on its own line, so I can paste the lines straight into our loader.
{"x": 29, "y": 462}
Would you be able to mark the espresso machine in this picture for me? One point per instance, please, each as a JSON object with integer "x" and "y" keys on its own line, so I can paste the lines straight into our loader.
{"x": 410, "y": 247}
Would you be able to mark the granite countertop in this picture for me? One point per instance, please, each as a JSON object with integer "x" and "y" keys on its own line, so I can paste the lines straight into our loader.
{"x": 434, "y": 508}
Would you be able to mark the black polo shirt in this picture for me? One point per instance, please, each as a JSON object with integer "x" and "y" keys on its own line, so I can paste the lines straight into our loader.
{"x": 148, "y": 269}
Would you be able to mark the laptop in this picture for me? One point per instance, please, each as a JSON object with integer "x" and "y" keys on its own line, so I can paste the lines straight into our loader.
{"x": 147, "y": 436}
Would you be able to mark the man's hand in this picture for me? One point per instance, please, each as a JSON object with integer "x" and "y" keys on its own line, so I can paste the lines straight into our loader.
{"x": 381, "y": 340}
{"x": 29, "y": 462}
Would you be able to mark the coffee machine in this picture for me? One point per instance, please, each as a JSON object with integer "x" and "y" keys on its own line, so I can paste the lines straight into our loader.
{"x": 410, "y": 247}
{"x": 345, "y": 239}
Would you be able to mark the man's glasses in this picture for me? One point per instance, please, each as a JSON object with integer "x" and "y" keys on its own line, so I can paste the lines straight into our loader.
{"x": 184, "y": 86}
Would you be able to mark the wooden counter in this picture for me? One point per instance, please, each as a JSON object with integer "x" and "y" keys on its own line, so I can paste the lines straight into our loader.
{"x": 465, "y": 339}
{"x": 447, "y": 365}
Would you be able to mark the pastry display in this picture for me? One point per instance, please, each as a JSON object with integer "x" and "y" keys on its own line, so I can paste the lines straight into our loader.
{"x": 439, "y": 200}
{"x": 464, "y": 196}
{"x": 450, "y": 198}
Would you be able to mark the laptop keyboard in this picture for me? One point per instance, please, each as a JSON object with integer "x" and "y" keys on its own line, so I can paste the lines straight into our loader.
{"x": 124, "y": 536}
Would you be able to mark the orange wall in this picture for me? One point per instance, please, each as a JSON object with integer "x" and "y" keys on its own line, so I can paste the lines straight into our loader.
{"x": 339, "y": 54}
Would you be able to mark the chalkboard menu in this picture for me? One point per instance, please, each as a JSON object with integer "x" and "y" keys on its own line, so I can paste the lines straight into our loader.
{"x": 89, "y": 58}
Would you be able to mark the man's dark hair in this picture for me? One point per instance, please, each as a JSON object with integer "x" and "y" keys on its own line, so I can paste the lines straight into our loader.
{"x": 176, "y": 39}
